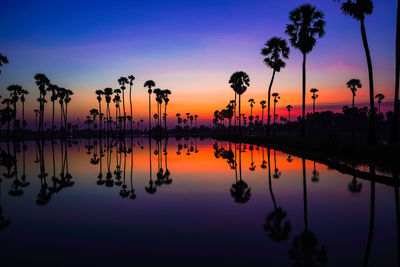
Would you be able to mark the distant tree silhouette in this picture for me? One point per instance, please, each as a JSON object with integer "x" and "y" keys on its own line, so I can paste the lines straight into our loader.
{"x": 275, "y": 50}
{"x": 131, "y": 79}
{"x": 307, "y": 23}
{"x": 263, "y": 106}
{"x": 42, "y": 82}
{"x": 53, "y": 88}
{"x": 380, "y": 97}
{"x": 353, "y": 84}
{"x": 149, "y": 84}
{"x": 107, "y": 93}
{"x": 289, "y": 108}
{"x": 99, "y": 93}
{"x": 276, "y": 97}
{"x": 314, "y": 96}
{"x": 251, "y": 101}
{"x": 3, "y": 60}
{"x": 122, "y": 81}
{"x": 239, "y": 82}
{"x": 165, "y": 94}
{"x": 358, "y": 9}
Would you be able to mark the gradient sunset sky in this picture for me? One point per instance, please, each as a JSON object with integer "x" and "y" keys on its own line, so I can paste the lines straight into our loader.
{"x": 191, "y": 48}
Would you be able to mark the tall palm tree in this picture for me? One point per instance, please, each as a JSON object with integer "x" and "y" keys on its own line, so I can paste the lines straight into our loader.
{"x": 289, "y": 108}
{"x": 3, "y": 60}
{"x": 158, "y": 93}
{"x": 165, "y": 94}
{"x": 358, "y": 9}
{"x": 15, "y": 92}
{"x": 395, "y": 124}
{"x": 275, "y": 50}
{"x": 68, "y": 94}
{"x": 53, "y": 88}
{"x": 314, "y": 96}
{"x": 239, "y": 82}
{"x": 117, "y": 100}
{"x": 131, "y": 79}
{"x": 99, "y": 93}
{"x": 380, "y": 97}
{"x": 307, "y": 24}
{"x": 149, "y": 84}
{"x": 108, "y": 92}
{"x": 22, "y": 98}
{"x": 42, "y": 82}
{"x": 353, "y": 84}
{"x": 122, "y": 81}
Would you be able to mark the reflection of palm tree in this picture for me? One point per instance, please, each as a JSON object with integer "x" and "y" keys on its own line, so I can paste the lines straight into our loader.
{"x": 396, "y": 198}
{"x": 149, "y": 84}
{"x": 132, "y": 193}
{"x": 151, "y": 189}
{"x": 307, "y": 22}
{"x": 277, "y": 172}
{"x": 252, "y": 165}
{"x": 289, "y": 158}
{"x": 276, "y": 231}
{"x": 315, "y": 175}
{"x": 305, "y": 250}
{"x": 372, "y": 216}
{"x": 263, "y": 163}
{"x": 240, "y": 191}
{"x": 355, "y": 186}
{"x": 3, "y": 221}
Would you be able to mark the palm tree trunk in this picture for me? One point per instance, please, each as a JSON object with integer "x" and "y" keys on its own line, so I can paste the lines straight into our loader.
{"x": 313, "y": 107}
{"x": 371, "y": 218}
{"x": 274, "y": 116}
{"x": 270, "y": 182}
{"x": 240, "y": 116}
{"x": 100, "y": 118}
{"x": 353, "y": 102}
{"x": 289, "y": 114}
{"x": 149, "y": 114}
{"x": 130, "y": 103}
{"x": 395, "y": 123}
{"x": 165, "y": 118}
{"x": 305, "y": 195}
{"x": 371, "y": 134}
{"x": 396, "y": 195}
{"x": 269, "y": 103}
{"x": 52, "y": 122}
{"x": 303, "y": 116}
{"x": 123, "y": 106}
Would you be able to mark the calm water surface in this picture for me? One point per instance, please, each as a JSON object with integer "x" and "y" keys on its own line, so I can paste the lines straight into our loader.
{"x": 202, "y": 202}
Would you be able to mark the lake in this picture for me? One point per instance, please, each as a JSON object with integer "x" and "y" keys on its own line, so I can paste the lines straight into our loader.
{"x": 188, "y": 202}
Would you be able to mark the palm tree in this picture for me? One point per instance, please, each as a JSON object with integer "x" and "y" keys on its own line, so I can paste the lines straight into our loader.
{"x": 195, "y": 120}
{"x": 36, "y": 111}
{"x": 380, "y": 97}
{"x": 289, "y": 108}
{"x": 22, "y": 98}
{"x": 131, "y": 79}
{"x": 178, "y": 118}
{"x": 159, "y": 99}
{"x": 3, "y": 60}
{"x": 275, "y": 50}
{"x": 239, "y": 82}
{"x": 54, "y": 90}
{"x": 149, "y": 84}
{"x": 94, "y": 113}
{"x": 68, "y": 94}
{"x": 263, "y": 106}
{"x": 395, "y": 124}
{"x": 99, "y": 93}
{"x": 314, "y": 96}
{"x": 353, "y": 84}
{"x": 117, "y": 100}
{"x": 276, "y": 97}
{"x": 108, "y": 92}
{"x": 307, "y": 23}
{"x": 251, "y": 101}
{"x": 358, "y": 9}
{"x": 122, "y": 81}
{"x": 42, "y": 82}
{"x": 15, "y": 92}
{"x": 165, "y": 94}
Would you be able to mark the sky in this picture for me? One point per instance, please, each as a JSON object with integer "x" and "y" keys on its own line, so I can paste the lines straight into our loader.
{"x": 191, "y": 48}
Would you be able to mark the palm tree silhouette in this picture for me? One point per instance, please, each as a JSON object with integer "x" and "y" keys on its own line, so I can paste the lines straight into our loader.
{"x": 42, "y": 82}
{"x": 239, "y": 82}
{"x": 372, "y": 216}
{"x": 3, "y": 60}
{"x": 380, "y": 97}
{"x": 395, "y": 122}
{"x": 353, "y": 84}
{"x": 315, "y": 175}
{"x": 289, "y": 108}
{"x": 108, "y": 92}
{"x": 165, "y": 94}
{"x": 355, "y": 186}
{"x": 240, "y": 191}
{"x": 314, "y": 96}
{"x": 122, "y": 81}
{"x": 149, "y": 84}
{"x": 276, "y": 97}
{"x": 131, "y": 79}
{"x": 195, "y": 120}
{"x": 307, "y": 23}
{"x": 263, "y": 106}
{"x": 252, "y": 165}
{"x": 275, "y": 50}
{"x": 99, "y": 93}
{"x": 251, "y": 101}
{"x": 53, "y": 88}
{"x": 273, "y": 225}
{"x": 358, "y": 9}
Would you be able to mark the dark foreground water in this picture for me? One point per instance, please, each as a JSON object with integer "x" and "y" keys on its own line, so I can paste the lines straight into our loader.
{"x": 202, "y": 203}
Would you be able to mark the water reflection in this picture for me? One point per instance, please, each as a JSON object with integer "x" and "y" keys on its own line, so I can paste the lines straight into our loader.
{"x": 191, "y": 176}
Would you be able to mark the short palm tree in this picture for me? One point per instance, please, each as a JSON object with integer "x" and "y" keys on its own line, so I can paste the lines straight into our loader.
{"x": 99, "y": 93}
{"x": 314, "y": 96}
{"x": 276, "y": 97}
{"x": 289, "y": 108}
{"x": 108, "y": 92}
{"x": 165, "y": 94}
{"x": 149, "y": 84}
{"x": 307, "y": 24}
{"x": 353, "y": 84}
{"x": 251, "y": 101}
{"x": 239, "y": 82}
{"x": 263, "y": 106}
{"x": 380, "y": 97}
{"x": 358, "y": 9}
{"x": 122, "y": 81}
{"x": 275, "y": 50}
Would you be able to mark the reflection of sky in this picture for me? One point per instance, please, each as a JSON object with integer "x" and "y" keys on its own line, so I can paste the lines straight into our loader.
{"x": 188, "y": 47}
{"x": 195, "y": 216}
